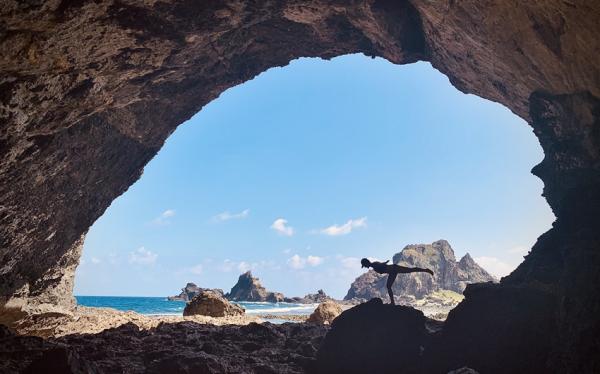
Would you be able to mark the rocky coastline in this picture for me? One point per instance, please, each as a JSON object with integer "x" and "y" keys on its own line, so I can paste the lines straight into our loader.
{"x": 157, "y": 345}
{"x": 249, "y": 288}
{"x": 434, "y": 296}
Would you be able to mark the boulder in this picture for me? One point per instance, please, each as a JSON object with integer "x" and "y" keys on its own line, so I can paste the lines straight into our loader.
{"x": 374, "y": 338}
{"x": 325, "y": 313}
{"x": 210, "y": 304}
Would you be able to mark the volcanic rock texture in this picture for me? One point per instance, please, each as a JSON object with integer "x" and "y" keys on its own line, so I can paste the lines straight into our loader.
{"x": 89, "y": 91}
{"x": 185, "y": 347}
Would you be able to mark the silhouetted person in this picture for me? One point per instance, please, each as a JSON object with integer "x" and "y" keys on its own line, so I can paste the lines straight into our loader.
{"x": 391, "y": 271}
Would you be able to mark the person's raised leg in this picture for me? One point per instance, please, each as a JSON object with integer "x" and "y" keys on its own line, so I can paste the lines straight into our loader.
{"x": 404, "y": 270}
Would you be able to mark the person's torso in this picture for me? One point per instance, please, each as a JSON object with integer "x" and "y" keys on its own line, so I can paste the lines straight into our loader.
{"x": 379, "y": 267}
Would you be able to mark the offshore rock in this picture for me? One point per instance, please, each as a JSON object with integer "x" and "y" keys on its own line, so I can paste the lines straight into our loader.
{"x": 248, "y": 288}
{"x": 311, "y": 298}
{"x": 190, "y": 290}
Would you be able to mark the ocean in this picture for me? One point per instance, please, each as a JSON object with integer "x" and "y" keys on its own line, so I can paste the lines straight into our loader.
{"x": 157, "y": 306}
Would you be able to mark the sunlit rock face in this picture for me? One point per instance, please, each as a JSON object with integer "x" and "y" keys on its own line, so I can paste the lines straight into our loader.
{"x": 248, "y": 288}
{"x": 448, "y": 274}
{"x": 89, "y": 91}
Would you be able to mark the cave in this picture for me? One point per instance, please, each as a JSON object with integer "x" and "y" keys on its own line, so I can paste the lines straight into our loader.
{"x": 90, "y": 91}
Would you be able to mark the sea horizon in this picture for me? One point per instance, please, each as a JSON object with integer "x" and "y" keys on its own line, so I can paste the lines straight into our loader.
{"x": 161, "y": 305}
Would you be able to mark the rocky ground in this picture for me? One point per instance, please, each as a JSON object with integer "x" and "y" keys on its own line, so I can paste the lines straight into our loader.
{"x": 182, "y": 347}
{"x": 87, "y": 320}
{"x": 360, "y": 340}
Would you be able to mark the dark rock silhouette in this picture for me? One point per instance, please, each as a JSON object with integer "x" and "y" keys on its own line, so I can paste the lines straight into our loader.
{"x": 174, "y": 348}
{"x": 499, "y": 338}
{"x": 31, "y": 355}
{"x": 248, "y": 288}
{"x": 208, "y": 303}
{"x": 487, "y": 333}
{"x": 191, "y": 289}
{"x": 374, "y": 338}
{"x": 439, "y": 257}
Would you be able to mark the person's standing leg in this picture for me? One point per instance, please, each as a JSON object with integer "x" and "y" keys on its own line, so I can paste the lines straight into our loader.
{"x": 390, "y": 282}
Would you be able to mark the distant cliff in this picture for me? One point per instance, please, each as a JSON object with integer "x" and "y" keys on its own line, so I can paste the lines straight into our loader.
{"x": 439, "y": 257}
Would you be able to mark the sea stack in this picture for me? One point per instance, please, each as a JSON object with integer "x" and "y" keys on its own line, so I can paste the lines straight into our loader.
{"x": 248, "y": 288}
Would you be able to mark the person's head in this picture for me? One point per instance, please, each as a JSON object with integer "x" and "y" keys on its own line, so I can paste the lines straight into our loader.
{"x": 365, "y": 263}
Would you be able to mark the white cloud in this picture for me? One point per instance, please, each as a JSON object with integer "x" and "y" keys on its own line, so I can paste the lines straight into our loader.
{"x": 346, "y": 228}
{"x": 287, "y": 251}
{"x": 314, "y": 260}
{"x": 96, "y": 260}
{"x": 168, "y": 213}
{"x": 163, "y": 219}
{"x": 243, "y": 266}
{"x": 142, "y": 256}
{"x": 280, "y": 225}
{"x": 226, "y": 216}
{"x": 495, "y": 266}
{"x": 298, "y": 262}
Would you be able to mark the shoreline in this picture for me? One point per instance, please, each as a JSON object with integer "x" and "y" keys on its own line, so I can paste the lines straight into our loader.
{"x": 93, "y": 320}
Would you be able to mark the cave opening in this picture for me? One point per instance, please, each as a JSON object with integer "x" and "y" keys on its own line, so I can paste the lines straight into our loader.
{"x": 302, "y": 171}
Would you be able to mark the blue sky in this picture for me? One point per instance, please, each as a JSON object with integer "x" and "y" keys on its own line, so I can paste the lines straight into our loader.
{"x": 302, "y": 171}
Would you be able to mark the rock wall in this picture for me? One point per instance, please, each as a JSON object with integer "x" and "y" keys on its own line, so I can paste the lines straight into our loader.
{"x": 89, "y": 91}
